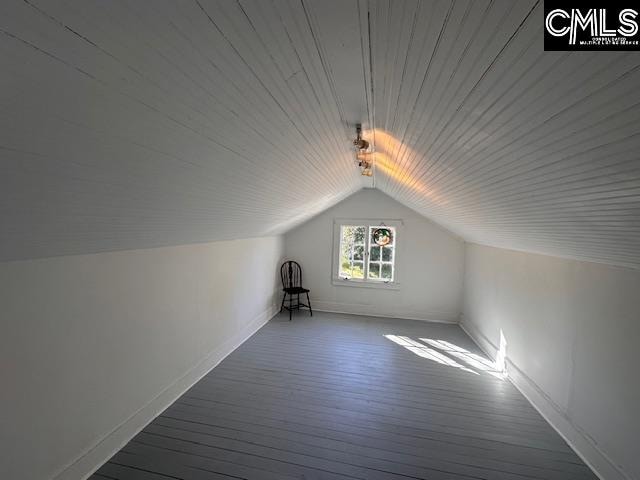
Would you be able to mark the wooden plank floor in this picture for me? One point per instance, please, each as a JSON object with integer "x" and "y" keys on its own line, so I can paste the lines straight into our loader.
{"x": 341, "y": 396}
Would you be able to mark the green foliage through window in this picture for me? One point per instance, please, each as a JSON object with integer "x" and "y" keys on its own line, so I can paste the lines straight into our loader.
{"x": 352, "y": 247}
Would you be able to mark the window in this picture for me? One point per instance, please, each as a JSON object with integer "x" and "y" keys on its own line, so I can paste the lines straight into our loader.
{"x": 365, "y": 253}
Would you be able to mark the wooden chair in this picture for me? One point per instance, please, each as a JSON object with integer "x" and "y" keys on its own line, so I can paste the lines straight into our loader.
{"x": 291, "y": 275}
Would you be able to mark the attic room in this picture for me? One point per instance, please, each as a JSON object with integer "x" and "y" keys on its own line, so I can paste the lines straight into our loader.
{"x": 319, "y": 239}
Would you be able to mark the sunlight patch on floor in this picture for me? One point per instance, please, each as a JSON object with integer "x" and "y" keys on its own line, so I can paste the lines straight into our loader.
{"x": 425, "y": 352}
{"x": 441, "y": 351}
{"x": 472, "y": 359}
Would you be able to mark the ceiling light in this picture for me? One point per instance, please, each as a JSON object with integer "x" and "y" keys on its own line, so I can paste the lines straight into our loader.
{"x": 360, "y": 143}
{"x": 364, "y": 159}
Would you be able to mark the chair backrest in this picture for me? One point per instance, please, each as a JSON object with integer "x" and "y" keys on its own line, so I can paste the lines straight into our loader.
{"x": 291, "y": 274}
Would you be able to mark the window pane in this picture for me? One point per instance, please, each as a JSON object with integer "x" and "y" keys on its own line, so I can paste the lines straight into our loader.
{"x": 345, "y": 268}
{"x": 352, "y": 234}
{"x": 387, "y": 272}
{"x": 345, "y": 261}
{"x": 346, "y": 241}
{"x": 375, "y": 254}
{"x": 387, "y": 254}
{"x": 358, "y": 253}
{"x": 382, "y": 235}
{"x": 358, "y": 270}
{"x": 374, "y": 270}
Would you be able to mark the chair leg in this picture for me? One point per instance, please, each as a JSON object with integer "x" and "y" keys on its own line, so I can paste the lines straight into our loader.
{"x": 309, "y": 304}
{"x": 282, "y": 304}
{"x": 290, "y": 306}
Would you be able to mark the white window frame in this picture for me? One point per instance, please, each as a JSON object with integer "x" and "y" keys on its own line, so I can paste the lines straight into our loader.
{"x": 365, "y": 282}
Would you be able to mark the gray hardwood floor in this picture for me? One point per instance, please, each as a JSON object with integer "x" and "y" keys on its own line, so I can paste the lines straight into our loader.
{"x": 342, "y": 396}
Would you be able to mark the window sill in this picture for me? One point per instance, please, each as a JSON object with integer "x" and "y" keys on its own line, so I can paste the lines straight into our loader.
{"x": 362, "y": 284}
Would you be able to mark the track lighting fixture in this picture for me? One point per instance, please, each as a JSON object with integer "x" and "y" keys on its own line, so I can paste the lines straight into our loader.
{"x": 360, "y": 143}
{"x": 363, "y": 156}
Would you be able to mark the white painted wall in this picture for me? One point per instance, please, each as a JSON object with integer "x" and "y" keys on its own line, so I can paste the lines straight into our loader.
{"x": 93, "y": 346}
{"x": 572, "y": 331}
{"x": 429, "y": 261}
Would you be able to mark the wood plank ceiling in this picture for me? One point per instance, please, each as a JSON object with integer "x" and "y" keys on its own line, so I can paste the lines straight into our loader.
{"x": 127, "y": 124}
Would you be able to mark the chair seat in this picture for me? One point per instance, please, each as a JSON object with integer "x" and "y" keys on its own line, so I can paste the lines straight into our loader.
{"x": 295, "y": 290}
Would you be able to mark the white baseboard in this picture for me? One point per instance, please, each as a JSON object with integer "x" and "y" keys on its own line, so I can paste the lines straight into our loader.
{"x": 376, "y": 311}
{"x": 577, "y": 439}
{"x": 93, "y": 458}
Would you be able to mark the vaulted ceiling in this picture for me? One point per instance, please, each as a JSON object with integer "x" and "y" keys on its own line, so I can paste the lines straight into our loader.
{"x": 129, "y": 124}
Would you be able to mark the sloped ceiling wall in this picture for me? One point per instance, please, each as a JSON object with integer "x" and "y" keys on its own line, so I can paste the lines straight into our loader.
{"x": 504, "y": 143}
{"x": 126, "y": 126}
{"x": 138, "y": 124}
